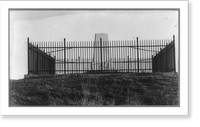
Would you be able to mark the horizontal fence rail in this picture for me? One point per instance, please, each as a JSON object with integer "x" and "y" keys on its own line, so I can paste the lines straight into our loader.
{"x": 93, "y": 57}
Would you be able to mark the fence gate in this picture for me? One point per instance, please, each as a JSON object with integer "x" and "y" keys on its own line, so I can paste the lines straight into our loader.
{"x": 93, "y": 57}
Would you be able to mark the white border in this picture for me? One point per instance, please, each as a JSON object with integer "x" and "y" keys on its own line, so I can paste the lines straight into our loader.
{"x": 182, "y": 110}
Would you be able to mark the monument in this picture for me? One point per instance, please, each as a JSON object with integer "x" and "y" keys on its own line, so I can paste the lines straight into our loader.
{"x": 101, "y": 52}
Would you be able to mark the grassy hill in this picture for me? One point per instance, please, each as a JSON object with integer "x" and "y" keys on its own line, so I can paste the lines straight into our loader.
{"x": 96, "y": 90}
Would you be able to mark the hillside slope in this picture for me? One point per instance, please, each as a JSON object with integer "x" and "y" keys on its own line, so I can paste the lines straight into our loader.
{"x": 96, "y": 90}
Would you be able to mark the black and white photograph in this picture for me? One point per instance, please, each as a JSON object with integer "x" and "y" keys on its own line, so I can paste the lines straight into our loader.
{"x": 98, "y": 57}
{"x": 94, "y": 58}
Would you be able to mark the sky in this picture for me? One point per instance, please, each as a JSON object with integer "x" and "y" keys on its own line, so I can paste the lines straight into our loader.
{"x": 81, "y": 25}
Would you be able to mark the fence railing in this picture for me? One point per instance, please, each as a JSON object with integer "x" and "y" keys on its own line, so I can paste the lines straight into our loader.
{"x": 124, "y": 56}
{"x": 164, "y": 61}
{"x": 39, "y": 62}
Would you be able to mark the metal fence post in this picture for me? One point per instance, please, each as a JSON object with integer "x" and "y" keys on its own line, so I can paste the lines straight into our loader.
{"x": 64, "y": 57}
{"x": 28, "y": 54}
{"x": 101, "y": 53}
{"x": 161, "y": 57}
{"x": 54, "y": 65}
{"x": 37, "y": 59}
{"x": 128, "y": 63}
{"x": 91, "y": 66}
{"x": 174, "y": 53}
{"x": 152, "y": 64}
{"x": 138, "y": 66}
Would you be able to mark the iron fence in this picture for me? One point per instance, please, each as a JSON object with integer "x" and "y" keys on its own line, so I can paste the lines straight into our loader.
{"x": 119, "y": 56}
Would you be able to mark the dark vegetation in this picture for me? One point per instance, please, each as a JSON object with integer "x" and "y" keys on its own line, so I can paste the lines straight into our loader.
{"x": 96, "y": 90}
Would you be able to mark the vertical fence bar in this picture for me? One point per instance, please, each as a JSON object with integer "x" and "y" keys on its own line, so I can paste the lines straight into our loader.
{"x": 120, "y": 48}
{"x": 86, "y": 56}
{"x": 125, "y": 57}
{"x": 61, "y": 49}
{"x": 40, "y": 58}
{"x": 83, "y": 64}
{"x": 174, "y": 53}
{"x": 110, "y": 56}
{"x": 166, "y": 48}
{"x": 78, "y": 43}
{"x": 146, "y": 55}
{"x": 79, "y": 65}
{"x": 128, "y": 48}
{"x": 58, "y": 57}
{"x": 122, "y": 57}
{"x": 37, "y": 60}
{"x": 67, "y": 48}
{"x": 45, "y": 59}
{"x": 141, "y": 56}
{"x": 128, "y": 63}
{"x": 82, "y": 57}
{"x": 28, "y": 55}
{"x": 115, "y": 51}
{"x": 117, "y": 56}
{"x": 138, "y": 66}
{"x": 96, "y": 52}
{"x": 152, "y": 48}
{"x": 101, "y": 53}
{"x": 118, "y": 53}
{"x": 61, "y": 57}
{"x": 150, "y": 56}
{"x": 113, "y": 56}
{"x": 161, "y": 55}
{"x": 42, "y": 62}
{"x": 135, "y": 57}
{"x": 54, "y": 54}
{"x": 64, "y": 56}
{"x": 72, "y": 45}
{"x": 130, "y": 55}
{"x": 90, "y": 54}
